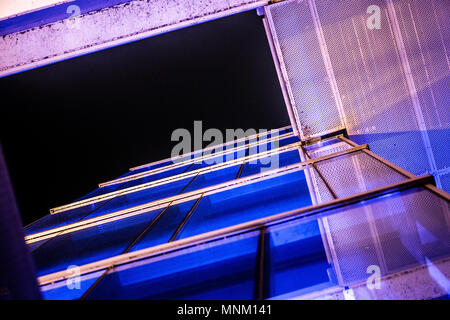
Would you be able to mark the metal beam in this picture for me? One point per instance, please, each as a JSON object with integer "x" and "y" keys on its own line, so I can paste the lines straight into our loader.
{"x": 181, "y": 198}
{"x": 107, "y": 28}
{"x": 196, "y": 159}
{"x": 223, "y": 146}
{"x": 417, "y": 283}
{"x": 178, "y": 177}
{"x": 429, "y": 186}
{"x": 313, "y": 211}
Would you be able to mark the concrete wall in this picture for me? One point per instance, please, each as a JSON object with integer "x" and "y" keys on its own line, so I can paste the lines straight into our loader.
{"x": 109, "y": 27}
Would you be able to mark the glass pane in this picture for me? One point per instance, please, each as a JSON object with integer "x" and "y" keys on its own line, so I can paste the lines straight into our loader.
{"x": 59, "y": 219}
{"x": 270, "y": 163}
{"x": 217, "y": 270}
{"x": 141, "y": 197}
{"x": 165, "y": 226}
{"x": 218, "y": 159}
{"x": 103, "y": 190}
{"x": 393, "y": 232}
{"x": 296, "y": 258}
{"x": 157, "y": 176}
{"x": 326, "y": 147}
{"x": 218, "y": 149}
{"x": 214, "y": 177}
{"x": 248, "y": 202}
{"x": 90, "y": 244}
{"x": 70, "y": 289}
{"x": 273, "y": 145}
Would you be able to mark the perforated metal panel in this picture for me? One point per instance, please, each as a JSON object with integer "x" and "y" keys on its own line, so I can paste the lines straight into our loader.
{"x": 356, "y": 172}
{"x": 303, "y": 68}
{"x": 320, "y": 189}
{"x": 320, "y": 149}
{"x": 371, "y": 81}
{"x": 393, "y": 232}
{"x": 391, "y": 83}
{"x": 425, "y": 31}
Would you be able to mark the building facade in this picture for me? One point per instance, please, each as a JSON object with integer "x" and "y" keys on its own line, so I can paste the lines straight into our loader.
{"x": 331, "y": 219}
{"x": 345, "y": 203}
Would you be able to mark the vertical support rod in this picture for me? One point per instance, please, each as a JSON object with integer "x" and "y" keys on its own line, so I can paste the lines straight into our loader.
{"x": 260, "y": 282}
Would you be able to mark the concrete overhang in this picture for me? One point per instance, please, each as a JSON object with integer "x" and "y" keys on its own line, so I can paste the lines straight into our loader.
{"x": 85, "y": 30}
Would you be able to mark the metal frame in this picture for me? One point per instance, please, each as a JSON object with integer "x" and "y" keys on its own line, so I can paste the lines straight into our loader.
{"x": 173, "y": 178}
{"x": 225, "y": 144}
{"x": 315, "y": 211}
{"x": 429, "y": 186}
{"x": 312, "y": 212}
{"x": 260, "y": 274}
{"x": 154, "y": 205}
{"x": 194, "y": 160}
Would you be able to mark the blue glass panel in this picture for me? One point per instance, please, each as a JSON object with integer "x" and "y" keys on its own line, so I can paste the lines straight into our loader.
{"x": 217, "y": 270}
{"x": 157, "y": 175}
{"x": 165, "y": 226}
{"x": 141, "y": 197}
{"x": 219, "y": 159}
{"x": 296, "y": 258}
{"x": 107, "y": 206}
{"x": 90, "y": 244}
{"x": 241, "y": 153}
{"x": 51, "y": 221}
{"x": 213, "y": 178}
{"x": 62, "y": 218}
{"x": 153, "y": 166}
{"x": 270, "y": 163}
{"x": 249, "y": 202}
{"x": 103, "y": 190}
{"x": 63, "y": 291}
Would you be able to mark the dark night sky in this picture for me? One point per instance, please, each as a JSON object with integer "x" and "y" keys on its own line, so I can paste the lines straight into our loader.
{"x": 68, "y": 126}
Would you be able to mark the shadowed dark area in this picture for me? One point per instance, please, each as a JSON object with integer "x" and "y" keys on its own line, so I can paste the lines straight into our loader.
{"x": 68, "y": 126}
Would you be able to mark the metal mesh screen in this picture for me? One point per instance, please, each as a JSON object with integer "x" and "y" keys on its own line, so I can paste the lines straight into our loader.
{"x": 394, "y": 232}
{"x": 425, "y": 30}
{"x": 321, "y": 191}
{"x": 319, "y": 149}
{"x": 391, "y": 81}
{"x": 378, "y": 107}
{"x": 356, "y": 172}
{"x": 303, "y": 68}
